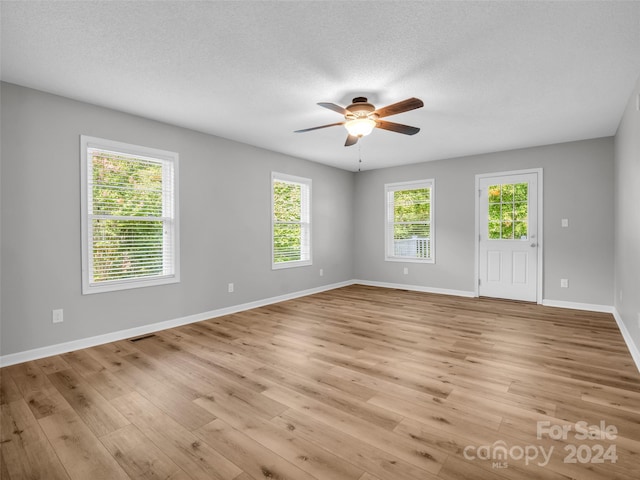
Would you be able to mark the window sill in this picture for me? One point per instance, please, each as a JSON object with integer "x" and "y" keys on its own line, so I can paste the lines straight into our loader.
{"x": 88, "y": 289}
{"x": 409, "y": 260}
{"x": 292, "y": 264}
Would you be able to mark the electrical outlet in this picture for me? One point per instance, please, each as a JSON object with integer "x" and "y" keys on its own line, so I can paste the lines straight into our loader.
{"x": 406, "y": 270}
{"x": 230, "y": 288}
{"x": 620, "y": 295}
{"x": 565, "y": 222}
{"x": 56, "y": 316}
{"x": 564, "y": 283}
{"x": 321, "y": 272}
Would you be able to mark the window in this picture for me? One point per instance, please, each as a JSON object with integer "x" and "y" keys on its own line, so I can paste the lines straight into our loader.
{"x": 291, "y": 220}
{"x": 129, "y": 216}
{"x": 409, "y": 221}
{"x": 508, "y": 211}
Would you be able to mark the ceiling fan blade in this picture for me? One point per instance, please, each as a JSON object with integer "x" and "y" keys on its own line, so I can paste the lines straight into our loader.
{"x": 351, "y": 140}
{"x": 397, "y": 127}
{"x": 334, "y": 107}
{"x": 316, "y": 128}
{"x": 400, "y": 107}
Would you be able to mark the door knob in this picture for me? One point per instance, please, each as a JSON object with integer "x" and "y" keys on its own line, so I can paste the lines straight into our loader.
{"x": 534, "y": 244}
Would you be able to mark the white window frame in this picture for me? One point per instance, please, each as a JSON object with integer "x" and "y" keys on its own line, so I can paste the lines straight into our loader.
{"x": 389, "y": 189}
{"x": 171, "y": 247}
{"x": 305, "y": 221}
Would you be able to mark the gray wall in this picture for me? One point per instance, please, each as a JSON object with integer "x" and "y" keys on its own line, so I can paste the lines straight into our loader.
{"x": 578, "y": 185}
{"x": 627, "y": 231}
{"x": 225, "y": 223}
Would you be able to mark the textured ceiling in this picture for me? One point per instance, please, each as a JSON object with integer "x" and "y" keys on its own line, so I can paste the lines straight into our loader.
{"x": 493, "y": 75}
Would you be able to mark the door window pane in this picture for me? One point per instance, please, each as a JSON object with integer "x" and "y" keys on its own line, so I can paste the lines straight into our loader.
{"x": 508, "y": 211}
{"x": 494, "y": 194}
{"x": 520, "y": 231}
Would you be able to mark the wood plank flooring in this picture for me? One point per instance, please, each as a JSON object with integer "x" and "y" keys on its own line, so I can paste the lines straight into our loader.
{"x": 358, "y": 383}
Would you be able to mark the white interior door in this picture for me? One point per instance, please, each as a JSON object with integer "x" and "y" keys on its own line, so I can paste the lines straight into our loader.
{"x": 508, "y": 240}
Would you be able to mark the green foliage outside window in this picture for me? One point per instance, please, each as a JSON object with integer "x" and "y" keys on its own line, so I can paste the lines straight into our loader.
{"x": 412, "y": 220}
{"x": 412, "y": 205}
{"x": 287, "y": 228}
{"x": 124, "y": 247}
{"x": 508, "y": 211}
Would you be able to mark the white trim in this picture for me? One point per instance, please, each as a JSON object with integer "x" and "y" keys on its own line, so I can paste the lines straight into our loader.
{"x": 589, "y": 307}
{"x": 415, "y": 288}
{"x": 540, "y": 222}
{"x": 42, "y": 352}
{"x": 305, "y": 207}
{"x": 628, "y": 339}
{"x": 170, "y": 163}
{"x": 60, "y": 348}
{"x": 290, "y": 264}
{"x": 408, "y": 260}
{"x": 592, "y": 307}
{"x": 429, "y": 183}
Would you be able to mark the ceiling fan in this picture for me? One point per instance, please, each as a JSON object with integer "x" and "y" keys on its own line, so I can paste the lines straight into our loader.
{"x": 361, "y": 117}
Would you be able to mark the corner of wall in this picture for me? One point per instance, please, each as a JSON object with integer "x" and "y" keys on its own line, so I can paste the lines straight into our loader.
{"x": 627, "y": 223}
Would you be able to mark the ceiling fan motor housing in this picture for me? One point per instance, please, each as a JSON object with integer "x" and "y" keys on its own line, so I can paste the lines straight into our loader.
{"x": 360, "y": 108}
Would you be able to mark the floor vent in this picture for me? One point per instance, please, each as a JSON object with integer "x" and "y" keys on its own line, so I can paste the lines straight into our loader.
{"x": 144, "y": 337}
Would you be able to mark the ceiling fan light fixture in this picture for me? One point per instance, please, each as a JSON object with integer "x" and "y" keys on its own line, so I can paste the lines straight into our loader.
{"x": 360, "y": 127}
{"x": 361, "y": 117}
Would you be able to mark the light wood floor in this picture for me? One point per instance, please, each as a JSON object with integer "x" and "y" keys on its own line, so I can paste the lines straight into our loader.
{"x": 357, "y": 383}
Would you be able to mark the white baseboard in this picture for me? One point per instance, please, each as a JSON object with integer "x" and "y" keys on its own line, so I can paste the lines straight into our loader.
{"x": 65, "y": 347}
{"x": 57, "y": 349}
{"x": 631, "y": 346}
{"x": 590, "y": 307}
{"x": 416, "y": 288}
{"x": 628, "y": 339}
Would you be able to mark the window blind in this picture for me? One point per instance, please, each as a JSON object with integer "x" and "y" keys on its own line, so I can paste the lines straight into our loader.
{"x": 409, "y": 221}
{"x": 131, "y": 232}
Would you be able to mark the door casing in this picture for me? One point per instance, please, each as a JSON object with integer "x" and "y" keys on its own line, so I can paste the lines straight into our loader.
{"x": 539, "y": 234}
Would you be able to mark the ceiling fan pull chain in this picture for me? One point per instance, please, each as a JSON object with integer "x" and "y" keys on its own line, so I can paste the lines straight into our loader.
{"x": 359, "y": 155}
